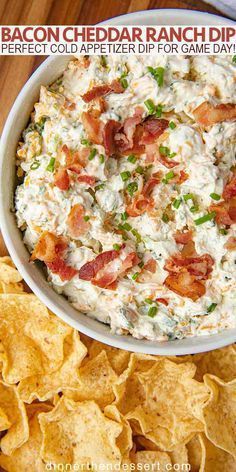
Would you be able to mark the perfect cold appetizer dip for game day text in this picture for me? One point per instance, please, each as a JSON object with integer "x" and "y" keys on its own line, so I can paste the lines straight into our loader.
{"x": 127, "y": 191}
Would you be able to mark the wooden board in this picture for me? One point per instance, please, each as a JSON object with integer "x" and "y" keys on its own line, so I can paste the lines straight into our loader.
{"x": 15, "y": 70}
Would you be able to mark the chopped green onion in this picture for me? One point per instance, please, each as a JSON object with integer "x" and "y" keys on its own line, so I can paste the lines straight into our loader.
{"x": 188, "y": 196}
{"x": 124, "y": 216}
{"x": 149, "y": 301}
{"x": 92, "y": 154}
{"x": 234, "y": 59}
{"x": 85, "y": 142}
{"x": 215, "y": 196}
{"x": 211, "y": 307}
{"x": 126, "y": 226}
{"x": 125, "y": 175}
{"x": 159, "y": 111}
{"x": 116, "y": 247}
{"x": 164, "y": 150}
{"x": 165, "y": 218}
{"x": 150, "y": 106}
{"x": 177, "y": 203}
{"x": 35, "y": 165}
{"x": 103, "y": 61}
{"x": 132, "y": 158}
{"x": 139, "y": 170}
{"x": 135, "y": 276}
{"x": 141, "y": 264}
{"x": 194, "y": 208}
{"x": 40, "y": 125}
{"x": 99, "y": 187}
{"x": 86, "y": 218}
{"x": 223, "y": 231}
{"x": 168, "y": 177}
{"x": 137, "y": 235}
{"x": 124, "y": 83}
{"x": 205, "y": 218}
{"x": 152, "y": 311}
{"x": 51, "y": 164}
{"x": 158, "y": 74}
{"x": 102, "y": 158}
{"x": 173, "y": 154}
{"x": 132, "y": 188}
{"x": 172, "y": 125}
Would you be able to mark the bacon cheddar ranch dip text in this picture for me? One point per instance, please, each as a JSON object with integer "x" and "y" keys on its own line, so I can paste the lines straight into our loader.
{"x": 128, "y": 191}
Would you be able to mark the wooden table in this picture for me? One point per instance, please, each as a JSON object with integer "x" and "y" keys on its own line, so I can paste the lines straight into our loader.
{"x": 15, "y": 70}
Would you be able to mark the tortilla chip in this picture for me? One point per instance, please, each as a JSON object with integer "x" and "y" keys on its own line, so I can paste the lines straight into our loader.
{"x": 79, "y": 433}
{"x": 27, "y": 457}
{"x": 94, "y": 382}
{"x": 118, "y": 358}
{"x": 124, "y": 440}
{"x": 221, "y": 362}
{"x": 13, "y": 418}
{"x": 219, "y": 413}
{"x": 152, "y": 461}
{"x": 179, "y": 457}
{"x": 216, "y": 460}
{"x": 8, "y": 272}
{"x": 11, "y": 288}
{"x": 167, "y": 416}
{"x": 196, "y": 454}
{"x": 45, "y": 386}
{"x": 129, "y": 391}
{"x": 32, "y": 339}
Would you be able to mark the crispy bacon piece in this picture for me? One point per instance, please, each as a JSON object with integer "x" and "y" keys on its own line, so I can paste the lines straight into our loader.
{"x": 124, "y": 139}
{"x": 225, "y": 212}
{"x": 181, "y": 177}
{"x": 139, "y": 205}
{"x": 185, "y": 285}
{"x": 100, "y": 90}
{"x": 69, "y": 105}
{"x": 207, "y": 114}
{"x": 107, "y": 277}
{"x": 75, "y": 161}
{"x": 89, "y": 270}
{"x": 109, "y": 131}
{"x": 153, "y": 154}
{"x": 150, "y": 185}
{"x": 230, "y": 188}
{"x": 163, "y": 301}
{"x": 60, "y": 268}
{"x": 49, "y": 247}
{"x": 61, "y": 179}
{"x": 76, "y": 223}
{"x": 231, "y": 243}
{"x": 150, "y": 265}
{"x": 183, "y": 237}
{"x": 199, "y": 266}
{"x": 93, "y": 127}
{"x": 152, "y": 129}
{"x": 87, "y": 179}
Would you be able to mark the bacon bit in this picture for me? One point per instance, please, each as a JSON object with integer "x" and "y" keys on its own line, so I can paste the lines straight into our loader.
{"x": 106, "y": 277}
{"x": 76, "y": 223}
{"x": 89, "y": 270}
{"x": 61, "y": 179}
{"x": 185, "y": 285}
{"x": 93, "y": 127}
{"x": 199, "y": 266}
{"x": 230, "y": 188}
{"x": 150, "y": 265}
{"x": 150, "y": 185}
{"x": 207, "y": 114}
{"x": 100, "y": 90}
{"x": 109, "y": 131}
{"x": 183, "y": 238}
{"x": 139, "y": 205}
{"x": 152, "y": 129}
{"x": 163, "y": 301}
{"x": 179, "y": 179}
{"x": 231, "y": 243}
{"x": 49, "y": 247}
{"x": 69, "y": 105}
{"x": 124, "y": 139}
{"x": 87, "y": 179}
{"x": 225, "y": 212}
{"x": 75, "y": 160}
{"x": 60, "y": 268}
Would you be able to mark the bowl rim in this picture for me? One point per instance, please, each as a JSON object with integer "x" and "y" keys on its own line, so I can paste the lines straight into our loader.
{"x": 48, "y": 296}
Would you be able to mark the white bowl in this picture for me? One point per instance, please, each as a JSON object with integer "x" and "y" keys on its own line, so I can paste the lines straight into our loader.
{"x": 16, "y": 122}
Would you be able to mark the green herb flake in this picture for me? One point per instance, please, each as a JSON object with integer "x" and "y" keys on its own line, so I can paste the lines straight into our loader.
{"x": 35, "y": 165}
{"x": 152, "y": 311}
{"x": 164, "y": 150}
{"x": 177, "y": 203}
{"x": 150, "y": 106}
{"x": 215, "y": 196}
{"x": 188, "y": 196}
{"x": 223, "y": 231}
{"x": 132, "y": 158}
{"x": 103, "y": 61}
{"x": 51, "y": 165}
{"x": 170, "y": 175}
{"x": 137, "y": 235}
{"x": 124, "y": 83}
{"x": 211, "y": 307}
{"x": 124, "y": 216}
{"x": 125, "y": 175}
{"x": 234, "y": 60}
{"x": 86, "y": 218}
{"x": 172, "y": 125}
{"x": 101, "y": 159}
{"x": 132, "y": 188}
{"x": 159, "y": 111}
{"x": 135, "y": 276}
{"x": 158, "y": 74}
{"x": 194, "y": 208}
{"x": 165, "y": 218}
{"x": 85, "y": 142}
{"x": 149, "y": 301}
{"x": 92, "y": 154}
{"x": 205, "y": 218}
{"x": 139, "y": 170}
{"x": 116, "y": 247}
